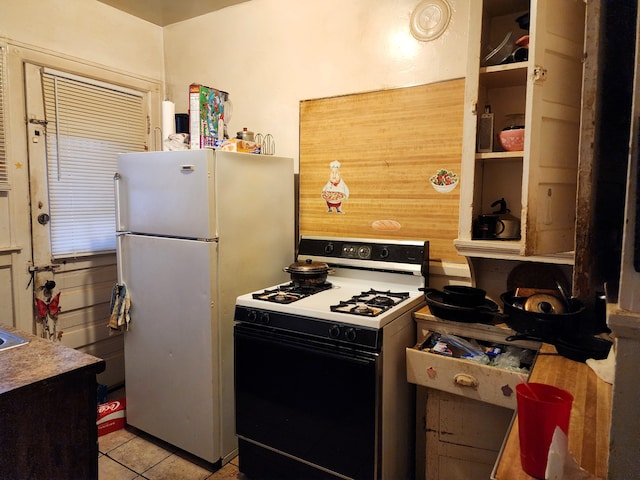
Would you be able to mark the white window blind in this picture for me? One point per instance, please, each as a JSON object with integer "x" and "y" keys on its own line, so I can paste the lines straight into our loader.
{"x": 88, "y": 124}
{"x": 4, "y": 174}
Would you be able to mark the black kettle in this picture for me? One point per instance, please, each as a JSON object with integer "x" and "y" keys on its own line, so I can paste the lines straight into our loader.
{"x": 511, "y": 224}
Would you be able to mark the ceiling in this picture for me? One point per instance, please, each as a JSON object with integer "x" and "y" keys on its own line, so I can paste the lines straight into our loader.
{"x": 166, "y": 12}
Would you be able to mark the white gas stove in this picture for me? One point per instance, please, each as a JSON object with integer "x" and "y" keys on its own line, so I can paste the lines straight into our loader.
{"x": 321, "y": 390}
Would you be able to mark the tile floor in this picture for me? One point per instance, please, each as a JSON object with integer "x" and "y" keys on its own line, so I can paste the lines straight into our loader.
{"x": 128, "y": 454}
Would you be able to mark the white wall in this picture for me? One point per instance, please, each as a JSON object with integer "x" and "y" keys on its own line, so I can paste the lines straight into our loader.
{"x": 271, "y": 54}
{"x": 88, "y": 30}
{"x": 268, "y": 54}
{"x": 81, "y": 36}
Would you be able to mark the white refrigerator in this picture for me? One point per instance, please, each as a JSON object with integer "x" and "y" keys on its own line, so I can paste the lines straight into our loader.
{"x": 195, "y": 229}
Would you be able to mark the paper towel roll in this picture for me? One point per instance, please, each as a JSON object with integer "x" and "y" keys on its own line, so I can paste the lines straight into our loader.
{"x": 168, "y": 120}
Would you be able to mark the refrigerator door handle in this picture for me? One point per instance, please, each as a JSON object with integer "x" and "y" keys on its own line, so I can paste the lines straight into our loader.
{"x": 116, "y": 192}
{"x": 119, "y": 238}
{"x": 119, "y": 228}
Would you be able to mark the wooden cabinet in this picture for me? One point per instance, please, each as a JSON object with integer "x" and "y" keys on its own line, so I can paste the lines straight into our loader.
{"x": 538, "y": 182}
{"x": 463, "y": 436}
{"x": 463, "y": 408}
{"x": 48, "y": 400}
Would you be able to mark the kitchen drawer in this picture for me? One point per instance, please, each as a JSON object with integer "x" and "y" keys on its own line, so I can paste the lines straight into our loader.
{"x": 463, "y": 377}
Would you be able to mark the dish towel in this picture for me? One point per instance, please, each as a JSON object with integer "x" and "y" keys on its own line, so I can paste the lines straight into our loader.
{"x": 605, "y": 369}
{"x": 120, "y": 305}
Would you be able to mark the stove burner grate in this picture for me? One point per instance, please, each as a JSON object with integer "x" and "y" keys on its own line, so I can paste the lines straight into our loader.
{"x": 370, "y": 303}
{"x": 290, "y": 292}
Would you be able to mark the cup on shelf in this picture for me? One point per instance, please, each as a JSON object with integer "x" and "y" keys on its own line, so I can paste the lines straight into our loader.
{"x": 488, "y": 227}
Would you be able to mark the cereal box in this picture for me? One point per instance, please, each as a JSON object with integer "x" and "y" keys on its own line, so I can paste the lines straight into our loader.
{"x": 206, "y": 115}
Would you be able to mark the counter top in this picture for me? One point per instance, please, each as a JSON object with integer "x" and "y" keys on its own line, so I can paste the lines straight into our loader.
{"x": 39, "y": 360}
{"x": 590, "y": 416}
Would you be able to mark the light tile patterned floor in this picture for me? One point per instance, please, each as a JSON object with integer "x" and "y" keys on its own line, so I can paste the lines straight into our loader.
{"x": 127, "y": 455}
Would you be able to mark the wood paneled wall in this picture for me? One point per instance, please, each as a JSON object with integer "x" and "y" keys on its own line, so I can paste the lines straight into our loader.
{"x": 388, "y": 144}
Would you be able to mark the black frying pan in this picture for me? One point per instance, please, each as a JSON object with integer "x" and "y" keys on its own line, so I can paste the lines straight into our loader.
{"x": 486, "y": 312}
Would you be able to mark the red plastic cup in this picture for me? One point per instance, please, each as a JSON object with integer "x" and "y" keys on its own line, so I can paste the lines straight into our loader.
{"x": 541, "y": 408}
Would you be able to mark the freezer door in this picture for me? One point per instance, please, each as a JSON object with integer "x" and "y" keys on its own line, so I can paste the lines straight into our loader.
{"x": 167, "y": 193}
{"x": 171, "y": 347}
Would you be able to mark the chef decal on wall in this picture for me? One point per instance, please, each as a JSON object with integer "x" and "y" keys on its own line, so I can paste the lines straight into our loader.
{"x": 335, "y": 190}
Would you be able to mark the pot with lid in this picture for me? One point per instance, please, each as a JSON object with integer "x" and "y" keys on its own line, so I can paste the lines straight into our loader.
{"x": 542, "y": 316}
{"x": 308, "y": 273}
{"x": 245, "y": 134}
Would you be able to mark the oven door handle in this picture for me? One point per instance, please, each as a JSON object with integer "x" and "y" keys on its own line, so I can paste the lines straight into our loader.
{"x": 314, "y": 346}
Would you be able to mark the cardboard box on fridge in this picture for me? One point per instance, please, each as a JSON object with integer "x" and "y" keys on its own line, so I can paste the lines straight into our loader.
{"x": 206, "y": 116}
{"x": 111, "y": 416}
{"x": 238, "y": 145}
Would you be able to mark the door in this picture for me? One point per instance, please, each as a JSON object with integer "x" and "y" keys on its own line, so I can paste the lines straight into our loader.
{"x": 554, "y": 100}
{"x": 171, "y": 347}
{"x": 167, "y": 193}
{"x": 81, "y": 282}
{"x": 307, "y": 400}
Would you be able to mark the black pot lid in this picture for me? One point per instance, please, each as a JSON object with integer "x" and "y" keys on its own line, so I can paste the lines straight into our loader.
{"x": 308, "y": 267}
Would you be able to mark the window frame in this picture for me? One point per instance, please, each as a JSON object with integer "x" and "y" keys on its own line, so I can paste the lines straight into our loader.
{"x": 88, "y": 123}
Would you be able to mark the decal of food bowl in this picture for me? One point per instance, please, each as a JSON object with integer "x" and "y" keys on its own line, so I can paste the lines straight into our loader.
{"x": 444, "y": 180}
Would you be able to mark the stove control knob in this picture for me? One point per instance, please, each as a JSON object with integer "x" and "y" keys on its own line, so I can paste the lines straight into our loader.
{"x": 328, "y": 248}
{"x": 350, "y": 333}
{"x": 252, "y": 316}
{"x": 334, "y": 331}
{"x": 264, "y": 318}
{"x": 384, "y": 253}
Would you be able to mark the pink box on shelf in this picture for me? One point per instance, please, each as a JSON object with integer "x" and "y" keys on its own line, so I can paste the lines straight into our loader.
{"x": 111, "y": 416}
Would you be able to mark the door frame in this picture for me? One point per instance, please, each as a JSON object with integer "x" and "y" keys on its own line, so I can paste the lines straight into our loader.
{"x": 20, "y": 143}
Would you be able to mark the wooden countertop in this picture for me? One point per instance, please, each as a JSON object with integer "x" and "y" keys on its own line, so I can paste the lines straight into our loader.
{"x": 39, "y": 360}
{"x": 590, "y": 416}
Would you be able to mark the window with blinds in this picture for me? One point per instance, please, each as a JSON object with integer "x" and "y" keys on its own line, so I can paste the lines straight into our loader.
{"x": 4, "y": 174}
{"x": 88, "y": 124}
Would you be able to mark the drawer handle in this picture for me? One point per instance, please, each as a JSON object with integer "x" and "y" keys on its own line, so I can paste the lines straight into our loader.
{"x": 465, "y": 380}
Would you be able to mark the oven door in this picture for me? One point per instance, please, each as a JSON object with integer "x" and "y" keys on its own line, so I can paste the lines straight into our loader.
{"x": 309, "y": 400}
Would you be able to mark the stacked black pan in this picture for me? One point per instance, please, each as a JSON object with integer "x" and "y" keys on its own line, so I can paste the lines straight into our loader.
{"x": 554, "y": 320}
{"x": 539, "y": 316}
{"x": 460, "y": 303}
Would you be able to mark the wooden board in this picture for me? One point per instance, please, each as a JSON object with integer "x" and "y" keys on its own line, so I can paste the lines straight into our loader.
{"x": 387, "y": 145}
{"x": 590, "y": 416}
